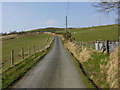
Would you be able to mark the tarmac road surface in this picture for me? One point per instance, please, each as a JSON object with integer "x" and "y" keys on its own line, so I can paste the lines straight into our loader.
{"x": 55, "y": 70}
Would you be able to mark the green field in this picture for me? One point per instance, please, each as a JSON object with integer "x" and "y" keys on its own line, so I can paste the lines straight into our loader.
{"x": 15, "y": 73}
{"x": 93, "y": 69}
{"x": 108, "y": 32}
{"x": 22, "y": 42}
{"x": 48, "y": 29}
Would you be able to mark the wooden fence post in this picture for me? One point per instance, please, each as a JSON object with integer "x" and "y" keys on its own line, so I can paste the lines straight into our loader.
{"x": 86, "y": 44}
{"x": 107, "y": 46}
{"x": 22, "y": 53}
{"x": 103, "y": 46}
{"x": 39, "y": 46}
{"x": 34, "y": 48}
{"x": 119, "y": 41}
{"x": 94, "y": 44}
{"x": 90, "y": 44}
{"x": 80, "y": 43}
{"x": 28, "y": 50}
{"x": 12, "y": 57}
{"x": 97, "y": 45}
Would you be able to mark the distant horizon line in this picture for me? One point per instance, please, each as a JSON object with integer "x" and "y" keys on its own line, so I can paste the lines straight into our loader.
{"x": 57, "y": 27}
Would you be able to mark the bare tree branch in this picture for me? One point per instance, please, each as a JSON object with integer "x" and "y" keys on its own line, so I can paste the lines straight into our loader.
{"x": 106, "y": 7}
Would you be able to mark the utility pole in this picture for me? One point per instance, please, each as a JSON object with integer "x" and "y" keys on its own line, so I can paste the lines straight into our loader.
{"x": 66, "y": 27}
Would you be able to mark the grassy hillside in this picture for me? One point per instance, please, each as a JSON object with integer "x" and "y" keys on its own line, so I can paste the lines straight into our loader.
{"x": 49, "y": 29}
{"x": 21, "y": 42}
{"x": 108, "y": 32}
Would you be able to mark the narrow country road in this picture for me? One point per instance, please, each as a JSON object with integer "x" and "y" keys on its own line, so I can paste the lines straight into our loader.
{"x": 55, "y": 70}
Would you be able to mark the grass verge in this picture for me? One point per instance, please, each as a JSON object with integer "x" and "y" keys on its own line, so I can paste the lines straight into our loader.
{"x": 96, "y": 68}
{"x": 85, "y": 79}
{"x": 13, "y": 74}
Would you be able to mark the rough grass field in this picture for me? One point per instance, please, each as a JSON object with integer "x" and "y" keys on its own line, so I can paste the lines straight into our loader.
{"x": 11, "y": 75}
{"x": 22, "y": 42}
{"x": 107, "y": 32}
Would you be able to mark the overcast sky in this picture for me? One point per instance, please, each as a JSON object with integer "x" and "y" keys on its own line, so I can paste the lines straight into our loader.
{"x": 18, "y": 16}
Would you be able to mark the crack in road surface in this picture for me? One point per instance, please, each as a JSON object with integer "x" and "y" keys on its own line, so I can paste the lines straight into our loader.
{"x": 55, "y": 70}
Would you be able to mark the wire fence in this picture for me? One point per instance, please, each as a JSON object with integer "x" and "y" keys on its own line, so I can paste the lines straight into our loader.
{"x": 15, "y": 58}
{"x": 106, "y": 45}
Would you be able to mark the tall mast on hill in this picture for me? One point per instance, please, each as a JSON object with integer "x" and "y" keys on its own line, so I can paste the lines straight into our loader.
{"x": 66, "y": 24}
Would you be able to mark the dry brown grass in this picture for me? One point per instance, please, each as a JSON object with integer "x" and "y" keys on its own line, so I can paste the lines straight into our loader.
{"x": 9, "y": 36}
{"x": 112, "y": 67}
{"x": 14, "y": 36}
{"x": 83, "y": 54}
